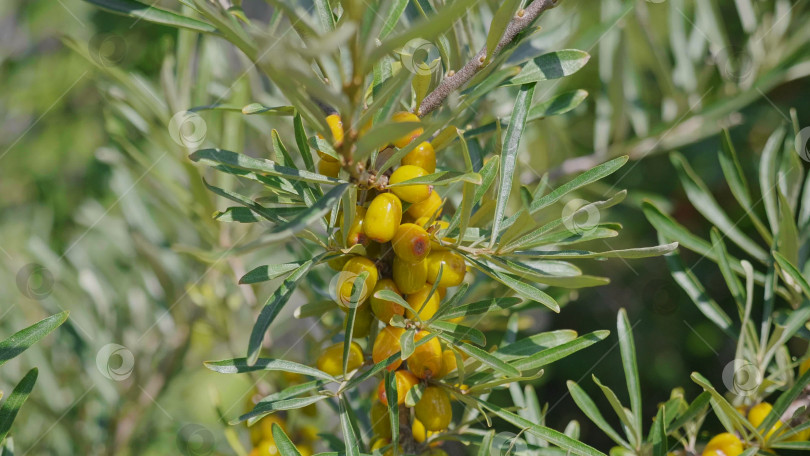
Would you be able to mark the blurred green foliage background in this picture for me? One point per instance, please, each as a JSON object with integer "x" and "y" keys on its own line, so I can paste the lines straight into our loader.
{"x": 106, "y": 224}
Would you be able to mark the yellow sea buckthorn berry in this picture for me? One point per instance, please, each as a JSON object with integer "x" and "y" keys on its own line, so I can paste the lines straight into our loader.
{"x": 379, "y": 443}
{"x": 305, "y": 449}
{"x": 420, "y": 303}
{"x": 433, "y": 409}
{"x": 452, "y": 265}
{"x": 383, "y": 216}
{"x": 265, "y": 448}
{"x": 804, "y": 366}
{"x": 383, "y": 309}
{"x": 800, "y": 436}
{"x": 423, "y": 156}
{"x": 356, "y": 234}
{"x": 426, "y": 359}
{"x": 329, "y": 168}
{"x": 431, "y": 207}
{"x": 386, "y": 344}
{"x": 432, "y": 228}
{"x": 420, "y": 434}
{"x": 757, "y": 415}
{"x": 724, "y": 444}
{"x": 331, "y": 360}
{"x": 411, "y": 242}
{"x": 363, "y": 319}
{"x": 336, "y": 125}
{"x": 390, "y": 451}
{"x": 415, "y": 193}
{"x": 350, "y": 272}
{"x": 380, "y": 422}
{"x": 409, "y": 277}
{"x": 405, "y": 381}
{"x": 449, "y": 363}
{"x": 406, "y": 117}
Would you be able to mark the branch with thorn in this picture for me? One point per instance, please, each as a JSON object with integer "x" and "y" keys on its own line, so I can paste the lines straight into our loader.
{"x": 454, "y": 80}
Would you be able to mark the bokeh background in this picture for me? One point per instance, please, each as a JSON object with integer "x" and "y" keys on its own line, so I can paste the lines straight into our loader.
{"x": 102, "y": 215}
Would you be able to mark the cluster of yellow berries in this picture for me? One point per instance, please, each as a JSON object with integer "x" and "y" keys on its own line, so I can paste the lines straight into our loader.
{"x": 728, "y": 444}
{"x": 261, "y": 433}
{"x": 398, "y": 229}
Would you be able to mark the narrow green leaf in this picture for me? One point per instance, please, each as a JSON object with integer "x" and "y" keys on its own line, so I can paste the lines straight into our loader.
{"x": 282, "y": 442}
{"x": 480, "y": 307}
{"x": 213, "y": 157}
{"x": 153, "y": 14}
{"x": 697, "y": 407}
{"x": 640, "y": 252}
{"x": 592, "y": 175}
{"x": 486, "y": 358}
{"x": 459, "y": 332}
{"x": 258, "y": 108}
{"x": 240, "y": 366}
{"x": 307, "y": 216}
{"x": 517, "y": 285}
{"x": 268, "y": 272}
{"x": 407, "y": 344}
{"x": 393, "y": 408}
{"x": 266, "y": 408}
{"x": 627, "y": 347}
{"x": 558, "y": 105}
{"x": 767, "y": 177}
{"x": 509, "y": 157}
{"x": 392, "y": 18}
{"x": 549, "y": 355}
{"x": 552, "y": 65}
{"x": 790, "y": 271}
{"x": 15, "y": 400}
{"x": 589, "y": 408}
{"x": 504, "y": 14}
{"x": 272, "y": 308}
{"x": 25, "y": 338}
{"x": 349, "y": 438}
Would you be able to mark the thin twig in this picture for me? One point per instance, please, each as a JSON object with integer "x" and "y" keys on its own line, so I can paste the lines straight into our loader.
{"x": 454, "y": 80}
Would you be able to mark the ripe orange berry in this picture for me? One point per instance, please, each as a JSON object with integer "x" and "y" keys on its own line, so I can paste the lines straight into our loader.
{"x": 329, "y": 168}
{"x": 426, "y": 359}
{"x": 353, "y": 268}
{"x": 428, "y": 208}
{"x": 724, "y": 444}
{"x": 415, "y": 193}
{"x": 331, "y": 360}
{"x": 406, "y": 117}
{"x": 411, "y": 242}
{"x": 423, "y": 156}
{"x": 452, "y": 265}
{"x": 420, "y": 303}
{"x": 386, "y": 344}
{"x": 449, "y": 363}
{"x": 757, "y": 415}
{"x": 380, "y": 422}
{"x": 405, "y": 381}
{"x": 410, "y": 277}
{"x": 383, "y": 216}
{"x": 383, "y": 309}
{"x": 433, "y": 409}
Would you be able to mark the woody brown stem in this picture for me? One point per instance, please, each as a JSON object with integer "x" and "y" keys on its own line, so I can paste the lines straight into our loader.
{"x": 455, "y": 80}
